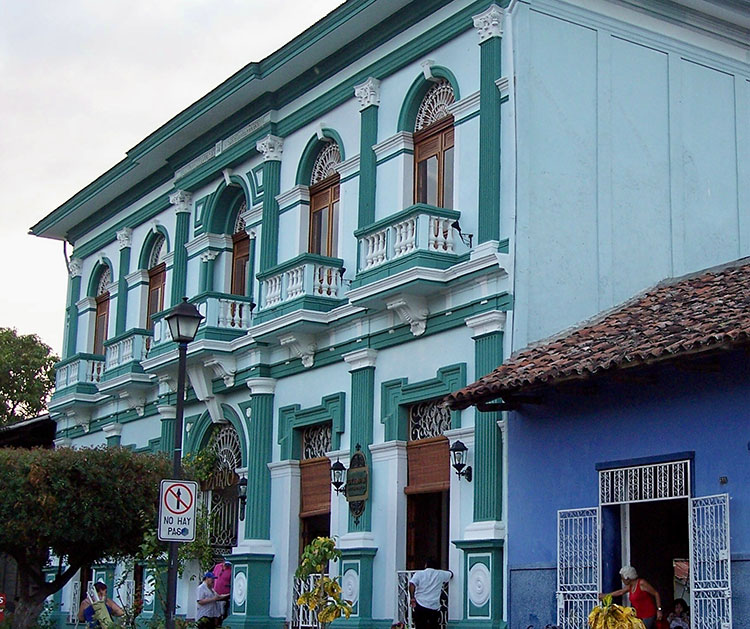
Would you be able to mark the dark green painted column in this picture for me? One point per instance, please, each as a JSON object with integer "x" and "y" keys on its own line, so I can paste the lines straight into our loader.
{"x": 181, "y": 201}
{"x": 368, "y": 94}
{"x": 270, "y": 147}
{"x": 206, "y": 275}
{"x": 488, "y": 441}
{"x": 71, "y": 311}
{"x": 362, "y": 364}
{"x": 259, "y": 413}
{"x": 489, "y": 27}
{"x": 167, "y": 415}
{"x": 254, "y": 610}
{"x": 359, "y": 561}
{"x": 488, "y": 491}
{"x": 124, "y": 240}
{"x": 483, "y": 567}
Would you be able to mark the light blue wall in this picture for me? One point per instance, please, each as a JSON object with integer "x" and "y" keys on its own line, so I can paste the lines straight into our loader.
{"x": 629, "y": 148}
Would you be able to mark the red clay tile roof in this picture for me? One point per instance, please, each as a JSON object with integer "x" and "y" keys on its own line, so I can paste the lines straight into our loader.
{"x": 696, "y": 313}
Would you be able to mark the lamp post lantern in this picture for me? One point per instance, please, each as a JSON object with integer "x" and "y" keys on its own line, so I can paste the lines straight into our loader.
{"x": 183, "y": 324}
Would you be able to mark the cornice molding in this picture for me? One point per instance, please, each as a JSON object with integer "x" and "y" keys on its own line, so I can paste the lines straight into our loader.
{"x": 348, "y": 167}
{"x": 223, "y": 145}
{"x": 401, "y": 141}
{"x": 220, "y": 242}
{"x": 464, "y": 107}
{"x": 296, "y": 194}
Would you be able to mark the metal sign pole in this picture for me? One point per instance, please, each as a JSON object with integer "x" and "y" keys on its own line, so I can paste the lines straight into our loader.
{"x": 176, "y": 474}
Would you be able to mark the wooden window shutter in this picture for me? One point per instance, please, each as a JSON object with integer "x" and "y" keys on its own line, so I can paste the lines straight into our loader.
{"x": 315, "y": 485}
{"x": 429, "y": 465}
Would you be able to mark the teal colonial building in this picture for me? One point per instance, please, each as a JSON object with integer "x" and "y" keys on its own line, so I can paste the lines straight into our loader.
{"x": 369, "y": 219}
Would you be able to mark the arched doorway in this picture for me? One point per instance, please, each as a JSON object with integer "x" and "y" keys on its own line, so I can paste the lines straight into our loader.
{"x": 220, "y": 490}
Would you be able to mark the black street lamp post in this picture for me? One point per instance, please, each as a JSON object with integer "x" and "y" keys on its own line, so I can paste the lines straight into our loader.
{"x": 183, "y": 324}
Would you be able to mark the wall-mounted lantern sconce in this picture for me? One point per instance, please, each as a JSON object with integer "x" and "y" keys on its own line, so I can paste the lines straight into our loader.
{"x": 467, "y": 239}
{"x": 458, "y": 454}
{"x": 338, "y": 477}
{"x": 242, "y": 494}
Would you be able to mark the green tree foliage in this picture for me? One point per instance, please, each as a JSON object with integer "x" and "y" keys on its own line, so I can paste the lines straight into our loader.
{"x": 78, "y": 506}
{"x": 27, "y": 375}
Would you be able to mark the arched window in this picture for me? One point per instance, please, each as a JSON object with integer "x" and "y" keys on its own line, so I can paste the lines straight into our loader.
{"x": 433, "y": 147}
{"x": 324, "y": 201}
{"x": 157, "y": 272}
{"x": 102, "y": 309}
{"x": 240, "y": 253}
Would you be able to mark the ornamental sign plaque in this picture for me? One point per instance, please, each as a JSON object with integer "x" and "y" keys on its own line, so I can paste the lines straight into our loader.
{"x": 357, "y": 478}
{"x": 357, "y": 484}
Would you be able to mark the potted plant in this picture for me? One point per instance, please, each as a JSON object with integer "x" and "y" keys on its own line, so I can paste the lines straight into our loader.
{"x": 324, "y": 596}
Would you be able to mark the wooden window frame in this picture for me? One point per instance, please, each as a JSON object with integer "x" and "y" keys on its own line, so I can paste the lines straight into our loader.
{"x": 102, "y": 311}
{"x": 240, "y": 254}
{"x": 332, "y": 186}
{"x": 443, "y": 130}
{"x": 156, "y": 276}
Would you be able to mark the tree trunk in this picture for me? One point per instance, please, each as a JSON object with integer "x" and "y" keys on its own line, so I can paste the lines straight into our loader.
{"x": 27, "y": 613}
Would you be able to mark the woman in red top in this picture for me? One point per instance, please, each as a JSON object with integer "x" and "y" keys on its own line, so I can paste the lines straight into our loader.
{"x": 642, "y": 596}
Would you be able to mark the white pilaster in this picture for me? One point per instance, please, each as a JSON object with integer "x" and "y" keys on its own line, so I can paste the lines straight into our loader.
{"x": 461, "y": 504}
{"x": 389, "y": 466}
{"x": 285, "y": 501}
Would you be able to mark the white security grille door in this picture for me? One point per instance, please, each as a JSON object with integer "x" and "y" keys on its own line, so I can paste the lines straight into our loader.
{"x": 710, "y": 573}
{"x": 578, "y": 566}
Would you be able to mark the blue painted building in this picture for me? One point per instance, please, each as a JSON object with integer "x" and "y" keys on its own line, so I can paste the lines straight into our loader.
{"x": 629, "y": 445}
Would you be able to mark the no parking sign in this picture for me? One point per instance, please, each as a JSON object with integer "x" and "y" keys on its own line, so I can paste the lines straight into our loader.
{"x": 177, "y": 500}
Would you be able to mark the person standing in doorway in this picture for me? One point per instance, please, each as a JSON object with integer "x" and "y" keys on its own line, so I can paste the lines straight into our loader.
{"x": 223, "y": 583}
{"x": 425, "y": 588}
{"x": 208, "y": 614}
{"x": 642, "y": 596}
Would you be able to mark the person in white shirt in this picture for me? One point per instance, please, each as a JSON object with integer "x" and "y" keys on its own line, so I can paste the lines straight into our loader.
{"x": 425, "y": 587}
{"x": 210, "y": 605}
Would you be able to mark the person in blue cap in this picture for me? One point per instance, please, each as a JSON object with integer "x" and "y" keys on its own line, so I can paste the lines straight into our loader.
{"x": 210, "y": 604}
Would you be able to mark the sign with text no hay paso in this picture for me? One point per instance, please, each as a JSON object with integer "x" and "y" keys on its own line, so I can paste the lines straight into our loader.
{"x": 177, "y": 506}
{"x": 357, "y": 478}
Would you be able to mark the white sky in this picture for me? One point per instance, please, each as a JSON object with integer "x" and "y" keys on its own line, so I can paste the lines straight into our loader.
{"x": 83, "y": 81}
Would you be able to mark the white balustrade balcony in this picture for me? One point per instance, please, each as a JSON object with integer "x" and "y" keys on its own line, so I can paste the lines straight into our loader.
{"x": 418, "y": 228}
{"x": 126, "y": 348}
{"x": 233, "y": 312}
{"x": 308, "y": 275}
{"x": 81, "y": 369}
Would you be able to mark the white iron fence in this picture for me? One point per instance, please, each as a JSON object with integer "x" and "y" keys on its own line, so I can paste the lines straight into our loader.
{"x": 578, "y": 566}
{"x": 710, "y": 566}
{"x": 302, "y": 617}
